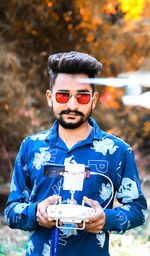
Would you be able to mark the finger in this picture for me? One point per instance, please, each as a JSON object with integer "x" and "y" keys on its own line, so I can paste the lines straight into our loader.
{"x": 60, "y": 223}
{"x": 99, "y": 217}
{"x": 95, "y": 224}
{"x": 42, "y": 212}
{"x": 45, "y": 223}
{"x": 91, "y": 220}
{"x": 79, "y": 225}
{"x": 96, "y": 206}
{"x": 53, "y": 199}
{"x": 49, "y": 201}
{"x": 94, "y": 231}
{"x": 49, "y": 219}
{"x": 93, "y": 228}
{"x": 95, "y": 218}
{"x": 93, "y": 203}
{"x": 44, "y": 220}
{"x": 42, "y": 216}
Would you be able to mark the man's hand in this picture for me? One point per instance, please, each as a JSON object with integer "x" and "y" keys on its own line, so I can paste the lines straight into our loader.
{"x": 96, "y": 223}
{"x": 42, "y": 217}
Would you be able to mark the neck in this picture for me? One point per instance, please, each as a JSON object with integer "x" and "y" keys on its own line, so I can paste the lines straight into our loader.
{"x": 72, "y": 136}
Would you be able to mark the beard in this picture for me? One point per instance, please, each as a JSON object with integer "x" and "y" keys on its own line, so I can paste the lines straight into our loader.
{"x": 70, "y": 125}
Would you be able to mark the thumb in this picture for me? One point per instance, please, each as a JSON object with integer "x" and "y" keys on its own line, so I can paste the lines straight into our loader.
{"x": 93, "y": 203}
{"x": 53, "y": 199}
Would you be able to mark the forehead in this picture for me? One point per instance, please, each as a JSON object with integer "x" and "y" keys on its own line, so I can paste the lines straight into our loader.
{"x": 70, "y": 82}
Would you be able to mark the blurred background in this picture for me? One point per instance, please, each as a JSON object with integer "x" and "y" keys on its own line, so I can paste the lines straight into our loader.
{"x": 116, "y": 32}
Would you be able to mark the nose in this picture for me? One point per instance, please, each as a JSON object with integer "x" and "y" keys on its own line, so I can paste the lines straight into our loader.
{"x": 72, "y": 103}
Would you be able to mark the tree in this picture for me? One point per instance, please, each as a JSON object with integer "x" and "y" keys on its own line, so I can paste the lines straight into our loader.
{"x": 32, "y": 30}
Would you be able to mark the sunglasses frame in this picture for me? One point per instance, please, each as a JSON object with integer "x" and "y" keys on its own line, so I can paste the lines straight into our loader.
{"x": 75, "y": 95}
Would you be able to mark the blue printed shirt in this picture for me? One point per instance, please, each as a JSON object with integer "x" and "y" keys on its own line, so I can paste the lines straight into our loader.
{"x": 104, "y": 154}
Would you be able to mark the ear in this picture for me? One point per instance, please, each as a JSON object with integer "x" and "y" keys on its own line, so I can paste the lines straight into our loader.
{"x": 49, "y": 97}
{"x": 95, "y": 98}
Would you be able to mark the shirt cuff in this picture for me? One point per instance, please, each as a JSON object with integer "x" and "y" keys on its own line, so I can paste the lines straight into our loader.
{"x": 110, "y": 219}
{"x": 32, "y": 213}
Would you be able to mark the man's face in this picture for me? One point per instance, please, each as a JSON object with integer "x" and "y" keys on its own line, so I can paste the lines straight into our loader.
{"x": 71, "y": 114}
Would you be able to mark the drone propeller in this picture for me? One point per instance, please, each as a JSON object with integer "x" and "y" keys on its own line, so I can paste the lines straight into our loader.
{"x": 142, "y": 100}
{"x": 121, "y": 81}
{"x": 133, "y": 84}
{"x": 133, "y": 87}
{"x": 115, "y": 82}
{"x": 141, "y": 77}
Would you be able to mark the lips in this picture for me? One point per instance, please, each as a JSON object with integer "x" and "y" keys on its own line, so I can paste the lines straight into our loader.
{"x": 72, "y": 114}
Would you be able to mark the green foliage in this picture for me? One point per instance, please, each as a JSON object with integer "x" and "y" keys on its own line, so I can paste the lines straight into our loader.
{"x": 8, "y": 249}
{"x": 13, "y": 242}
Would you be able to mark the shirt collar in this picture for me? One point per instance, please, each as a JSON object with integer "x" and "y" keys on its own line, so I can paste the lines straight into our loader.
{"x": 95, "y": 134}
{"x": 53, "y": 132}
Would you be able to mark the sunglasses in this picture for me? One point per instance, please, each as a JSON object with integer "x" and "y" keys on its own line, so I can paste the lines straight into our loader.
{"x": 81, "y": 97}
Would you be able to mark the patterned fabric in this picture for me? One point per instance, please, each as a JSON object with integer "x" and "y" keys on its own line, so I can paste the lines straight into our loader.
{"x": 104, "y": 154}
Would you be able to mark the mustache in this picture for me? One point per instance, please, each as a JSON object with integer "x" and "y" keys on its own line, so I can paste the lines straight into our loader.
{"x": 67, "y": 111}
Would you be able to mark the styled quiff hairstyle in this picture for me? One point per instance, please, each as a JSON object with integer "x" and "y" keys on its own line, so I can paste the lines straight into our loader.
{"x": 72, "y": 63}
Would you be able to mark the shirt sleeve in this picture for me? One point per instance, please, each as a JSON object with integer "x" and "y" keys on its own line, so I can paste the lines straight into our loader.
{"x": 19, "y": 211}
{"x": 133, "y": 212}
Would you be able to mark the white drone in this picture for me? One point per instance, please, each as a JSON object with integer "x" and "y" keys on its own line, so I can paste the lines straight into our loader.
{"x": 133, "y": 82}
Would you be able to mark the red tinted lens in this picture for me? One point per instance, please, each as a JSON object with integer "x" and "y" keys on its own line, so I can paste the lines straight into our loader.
{"x": 83, "y": 98}
{"x": 62, "y": 97}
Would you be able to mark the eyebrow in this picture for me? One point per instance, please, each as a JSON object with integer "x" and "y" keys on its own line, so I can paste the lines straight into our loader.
{"x": 85, "y": 90}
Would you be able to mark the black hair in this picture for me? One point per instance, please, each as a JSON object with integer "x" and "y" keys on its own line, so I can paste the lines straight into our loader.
{"x": 72, "y": 63}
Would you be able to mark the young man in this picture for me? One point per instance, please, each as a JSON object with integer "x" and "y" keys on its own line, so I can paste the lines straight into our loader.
{"x": 74, "y": 138}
